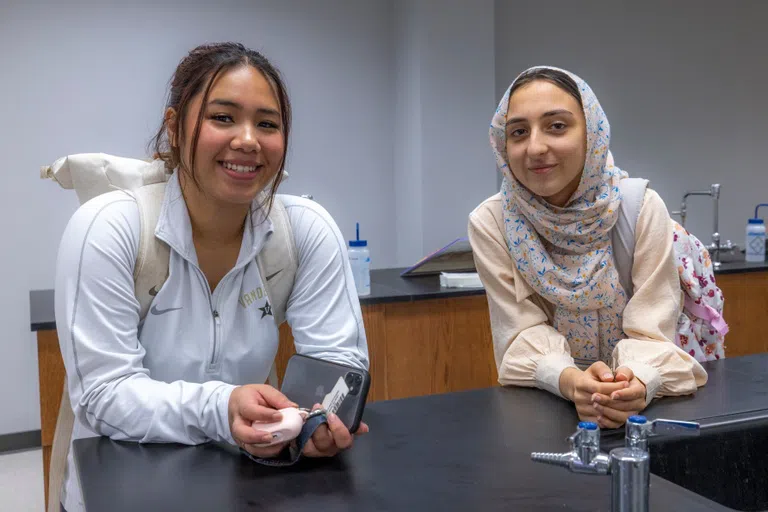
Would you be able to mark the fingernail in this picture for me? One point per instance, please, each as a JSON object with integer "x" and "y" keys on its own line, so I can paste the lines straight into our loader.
{"x": 607, "y": 376}
{"x": 599, "y": 408}
{"x": 332, "y": 417}
{"x": 277, "y": 416}
{"x": 267, "y": 438}
{"x": 596, "y": 398}
{"x": 615, "y": 396}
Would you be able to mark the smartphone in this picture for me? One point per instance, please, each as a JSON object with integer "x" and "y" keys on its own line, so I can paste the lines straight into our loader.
{"x": 308, "y": 379}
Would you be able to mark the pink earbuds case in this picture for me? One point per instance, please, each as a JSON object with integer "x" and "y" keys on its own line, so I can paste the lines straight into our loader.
{"x": 284, "y": 430}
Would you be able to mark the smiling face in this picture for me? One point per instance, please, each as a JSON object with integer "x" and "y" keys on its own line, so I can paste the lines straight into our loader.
{"x": 241, "y": 144}
{"x": 546, "y": 140}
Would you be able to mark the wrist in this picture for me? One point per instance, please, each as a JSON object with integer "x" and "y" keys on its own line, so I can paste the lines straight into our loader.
{"x": 567, "y": 379}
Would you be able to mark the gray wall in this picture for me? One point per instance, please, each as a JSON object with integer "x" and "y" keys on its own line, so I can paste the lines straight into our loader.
{"x": 683, "y": 84}
{"x": 444, "y": 102}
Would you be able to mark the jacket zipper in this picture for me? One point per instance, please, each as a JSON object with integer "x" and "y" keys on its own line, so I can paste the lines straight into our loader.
{"x": 214, "y": 314}
{"x": 216, "y": 328}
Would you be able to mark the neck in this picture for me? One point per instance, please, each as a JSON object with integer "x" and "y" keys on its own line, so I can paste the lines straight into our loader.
{"x": 213, "y": 222}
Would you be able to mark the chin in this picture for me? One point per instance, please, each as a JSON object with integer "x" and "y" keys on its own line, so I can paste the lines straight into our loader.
{"x": 544, "y": 189}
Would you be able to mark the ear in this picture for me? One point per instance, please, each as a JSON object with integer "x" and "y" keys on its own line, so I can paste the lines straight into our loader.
{"x": 170, "y": 126}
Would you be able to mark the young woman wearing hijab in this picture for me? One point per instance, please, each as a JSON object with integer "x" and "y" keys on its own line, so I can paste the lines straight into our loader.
{"x": 560, "y": 318}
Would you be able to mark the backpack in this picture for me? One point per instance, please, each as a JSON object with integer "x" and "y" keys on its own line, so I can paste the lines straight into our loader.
{"x": 701, "y": 328}
{"x": 93, "y": 174}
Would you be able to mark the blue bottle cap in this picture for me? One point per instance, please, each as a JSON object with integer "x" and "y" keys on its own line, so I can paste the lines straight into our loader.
{"x": 358, "y": 242}
{"x": 756, "y": 221}
{"x": 588, "y": 425}
{"x": 640, "y": 420}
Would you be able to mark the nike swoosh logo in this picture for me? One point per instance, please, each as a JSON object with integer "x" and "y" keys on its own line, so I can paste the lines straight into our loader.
{"x": 156, "y": 311}
{"x": 273, "y": 275}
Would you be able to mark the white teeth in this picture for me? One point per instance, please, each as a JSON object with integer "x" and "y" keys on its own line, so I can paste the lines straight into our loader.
{"x": 239, "y": 168}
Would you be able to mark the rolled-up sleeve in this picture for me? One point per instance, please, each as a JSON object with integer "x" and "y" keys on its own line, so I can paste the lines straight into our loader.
{"x": 528, "y": 350}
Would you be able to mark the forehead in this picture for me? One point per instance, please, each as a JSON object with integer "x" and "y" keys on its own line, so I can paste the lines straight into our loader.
{"x": 538, "y": 97}
{"x": 245, "y": 85}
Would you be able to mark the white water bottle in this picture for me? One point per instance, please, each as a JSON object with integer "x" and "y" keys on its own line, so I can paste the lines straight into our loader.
{"x": 755, "y": 240}
{"x": 360, "y": 261}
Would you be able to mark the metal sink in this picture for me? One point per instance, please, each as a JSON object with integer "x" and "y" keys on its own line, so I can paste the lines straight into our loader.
{"x": 727, "y": 464}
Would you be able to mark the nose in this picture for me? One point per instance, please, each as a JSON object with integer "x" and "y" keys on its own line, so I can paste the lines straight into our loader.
{"x": 246, "y": 139}
{"x": 537, "y": 145}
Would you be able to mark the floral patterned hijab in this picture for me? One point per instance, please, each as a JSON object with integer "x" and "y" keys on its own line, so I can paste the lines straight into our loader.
{"x": 565, "y": 254}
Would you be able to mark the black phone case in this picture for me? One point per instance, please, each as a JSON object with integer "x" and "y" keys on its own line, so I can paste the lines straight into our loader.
{"x": 307, "y": 380}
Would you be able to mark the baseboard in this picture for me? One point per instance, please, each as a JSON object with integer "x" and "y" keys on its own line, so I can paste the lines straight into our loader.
{"x": 20, "y": 441}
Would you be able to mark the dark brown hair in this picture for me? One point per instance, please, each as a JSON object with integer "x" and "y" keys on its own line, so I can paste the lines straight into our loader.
{"x": 196, "y": 72}
{"x": 554, "y": 76}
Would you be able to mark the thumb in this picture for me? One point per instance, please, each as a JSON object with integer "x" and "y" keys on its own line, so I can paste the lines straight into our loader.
{"x": 601, "y": 371}
{"x": 274, "y": 398}
{"x": 624, "y": 373}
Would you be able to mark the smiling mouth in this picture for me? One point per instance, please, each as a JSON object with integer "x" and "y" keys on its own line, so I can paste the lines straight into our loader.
{"x": 542, "y": 169}
{"x": 243, "y": 169}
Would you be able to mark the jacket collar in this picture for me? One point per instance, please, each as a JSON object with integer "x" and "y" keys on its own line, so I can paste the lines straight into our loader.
{"x": 175, "y": 228}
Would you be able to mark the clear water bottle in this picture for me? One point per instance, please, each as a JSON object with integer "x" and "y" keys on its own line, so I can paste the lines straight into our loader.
{"x": 360, "y": 261}
{"x": 755, "y": 240}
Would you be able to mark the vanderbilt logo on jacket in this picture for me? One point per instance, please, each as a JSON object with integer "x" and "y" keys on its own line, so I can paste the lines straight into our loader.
{"x": 251, "y": 297}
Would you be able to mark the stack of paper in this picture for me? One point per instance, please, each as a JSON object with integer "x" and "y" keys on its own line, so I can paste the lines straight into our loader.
{"x": 460, "y": 280}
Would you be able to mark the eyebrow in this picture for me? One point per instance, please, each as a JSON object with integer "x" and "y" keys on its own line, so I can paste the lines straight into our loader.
{"x": 238, "y": 106}
{"x": 551, "y": 113}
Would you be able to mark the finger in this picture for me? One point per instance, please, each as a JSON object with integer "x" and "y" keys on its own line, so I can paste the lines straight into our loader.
{"x": 614, "y": 415}
{"x": 310, "y": 450}
{"x": 341, "y": 436}
{"x": 605, "y": 388}
{"x": 316, "y": 407}
{"x": 252, "y": 411}
{"x": 604, "y": 422}
{"x": 244, "y": 432}
{"x": 323, "y": 439}
{"x": 624, "y": 373}
{"x": 601, "y": 372}
{"x": 275, "y": 399}
{"x": 586, "y": 412}
{"x": 634, "y": 391}
{"x": 264, "y": 452}
{"x": 619, "y": 405}
{"x": 362, "y": 429}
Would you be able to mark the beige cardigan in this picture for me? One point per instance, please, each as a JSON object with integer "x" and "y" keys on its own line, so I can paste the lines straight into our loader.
{"x": 530, "y": 352}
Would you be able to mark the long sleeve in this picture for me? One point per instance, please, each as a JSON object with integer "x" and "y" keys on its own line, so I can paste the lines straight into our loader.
{"x": 323, "y": 310}
{"x": 650, "y": 317}
{"x": 528, "y": 350}
{"x": 97, "y": 318}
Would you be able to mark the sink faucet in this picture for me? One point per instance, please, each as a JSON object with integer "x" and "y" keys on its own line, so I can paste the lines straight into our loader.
{"x": 628, "y": 466}
{"x": 715, "y": 248}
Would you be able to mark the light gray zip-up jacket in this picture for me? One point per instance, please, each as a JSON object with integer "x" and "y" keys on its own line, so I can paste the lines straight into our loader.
{"x": 169, "y": 378}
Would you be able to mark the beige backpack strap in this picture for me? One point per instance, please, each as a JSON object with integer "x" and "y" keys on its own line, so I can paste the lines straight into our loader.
{"x": 277, "y": 263}
{"x": 149, "y": 274}
{"x": 59, "y": 451}
{"x": 151, "y": 268}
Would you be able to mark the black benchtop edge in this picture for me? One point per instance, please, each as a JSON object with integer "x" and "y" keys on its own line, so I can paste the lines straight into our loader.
{"x": 43, "y": 326}
{"x": 741, "y": 267}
